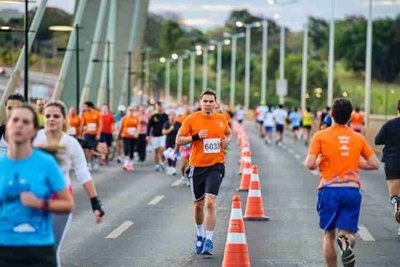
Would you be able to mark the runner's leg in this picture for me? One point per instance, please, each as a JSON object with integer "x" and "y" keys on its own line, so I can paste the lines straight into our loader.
{"x": 329, "y": 248}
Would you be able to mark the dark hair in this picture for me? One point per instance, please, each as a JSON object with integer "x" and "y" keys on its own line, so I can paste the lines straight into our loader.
{"x": 357, "y": 109}
{"x": 280, "y": 106}
{"x": 159, "y": 103}
{"x": 296, "y": 109}
{"x": 209, "y": 91}
{"x": 328, "y": 109}
{"x": 308, "y": 110}
{"x": 89, "y": 104}
{"x": 34, "y": 114}
{"x": 15, "y": 96}
{"x": 341, "y": 110}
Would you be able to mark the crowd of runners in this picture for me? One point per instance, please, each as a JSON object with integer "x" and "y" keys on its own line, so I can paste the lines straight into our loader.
{"x": 41, "y": 144}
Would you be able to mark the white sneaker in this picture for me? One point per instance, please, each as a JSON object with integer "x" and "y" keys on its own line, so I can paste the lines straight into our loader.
{"x": 169, "y": 171}
{"x": 183, "y": 179}
{"x": 398, "y": 232}
{"x": 89, "y": 166}
{"x": 95, "y": 166}
{"x": 173, "y": 171}
{"x": 157, "y": 168}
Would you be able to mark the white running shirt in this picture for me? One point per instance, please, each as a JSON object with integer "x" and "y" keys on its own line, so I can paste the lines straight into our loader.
{"x": 261, "y": 112}
{"x": 269, "y": 119}
{"x": 280, "y": 116}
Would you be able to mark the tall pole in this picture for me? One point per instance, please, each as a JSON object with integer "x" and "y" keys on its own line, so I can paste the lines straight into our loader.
{"x": 142, "y": 79}
{"x": 247, "y": 71}
{"x": 331, "y": 55}
{"x": 129, "y": 78}
{"x": 78, "y": 86}
{"x": 304, "y": 68}
{"x": 108, "y": 72}
{"x": 219, "y": 69}
{"x": 180, "y": 77}
{"x": 26, "y": 82}
{"x": 205, "y": 68}
{"x": 282, "y": 62}
{"x": 264, "y": 63}
{"x": 168, "y": 82}
{"x": 233, "y": 72}
{"x": 368, "y": 66}
{"x": 192, "y": 76}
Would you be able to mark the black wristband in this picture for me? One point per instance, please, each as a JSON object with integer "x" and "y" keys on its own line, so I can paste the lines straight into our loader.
{"x": 195, "y": 137}
{"x": 96, "y": 205}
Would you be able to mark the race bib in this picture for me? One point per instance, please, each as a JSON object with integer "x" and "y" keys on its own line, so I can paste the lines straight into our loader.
{"x": 72, "y": 131}
{"x": 131, "y": 131}
{"x": 91, "y": 127}
{"x": 212, "y": 146}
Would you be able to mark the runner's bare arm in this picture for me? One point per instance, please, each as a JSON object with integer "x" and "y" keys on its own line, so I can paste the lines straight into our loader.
{"x": 62, "y": 205}
{"x": 372, "y": 163}
{"x": 183, "y": 140}
{"x": 311, "y": 162}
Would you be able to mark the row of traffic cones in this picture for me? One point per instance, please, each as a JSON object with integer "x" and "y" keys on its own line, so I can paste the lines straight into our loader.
{"x": 236, "y": 248}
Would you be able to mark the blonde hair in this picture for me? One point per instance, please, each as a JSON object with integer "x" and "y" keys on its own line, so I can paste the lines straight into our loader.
{"x": 63, "y": 109}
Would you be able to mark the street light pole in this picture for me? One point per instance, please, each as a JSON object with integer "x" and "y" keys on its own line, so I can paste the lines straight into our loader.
{"x": 304, "y": 68}
{"x": 108, "y": 72}
{"x": 247, "y": 69}
{"x": 368, "y": 66}
{"x": 168, "y": 82}
{"x": 129, "y": 78}
{"x": 205, "y": 68}
{"x": 282, "y": 62}
{"x": 180, "y": 80}
{"x": 26, "y": 69}
{"x": 219, "y": 69}
{"x": 233, "y": 71}
{"x": 264, "y": 63}
{"x": 192, "y": 76}
{"x": 77, "y": 69}
{"x": 331, "y": 55}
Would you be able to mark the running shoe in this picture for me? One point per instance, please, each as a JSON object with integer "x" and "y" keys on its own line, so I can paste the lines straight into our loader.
{"x": 95, "y": 165}
{"x": 157, "y": 167}
{"x": 208, "y": 247}
{"x": 169, "y": 171}
{"x": 142, "y": 163}
{"x": 200, "y": 244}
{"x": 89, "y": 166}
{"x": 397, "y": 211}
{"x": 162, "y": 166}
{"x": 173, "y": 171}
{"x": 348, "y": 256}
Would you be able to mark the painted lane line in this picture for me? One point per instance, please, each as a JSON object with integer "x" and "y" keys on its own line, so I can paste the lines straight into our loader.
{"x": 177, "y": 183}
{"x": 365, "y": 234}
{"x": 291, "y": 151}
{"x": 297, "y": 156}
{"x": 119, "y": 230}
{"x": 315, "y": 172}
{"x": 155, "y": 200}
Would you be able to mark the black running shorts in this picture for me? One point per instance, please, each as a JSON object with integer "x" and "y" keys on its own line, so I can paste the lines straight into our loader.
{"x": 392, "y": 170}
{"x": 205, "y": 180}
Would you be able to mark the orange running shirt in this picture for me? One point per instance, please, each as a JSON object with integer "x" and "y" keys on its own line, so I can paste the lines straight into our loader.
{"x": 74, "y": 125}
{"x": 130, "y": 126}
{"x": 340, "y": 148}
{"x": 108, "y": 121}
{"x": 181, "y": 118}
{"x": 357, "y": 120}
{"x": 92, "y": 121}
{"x": 208, "y": 151}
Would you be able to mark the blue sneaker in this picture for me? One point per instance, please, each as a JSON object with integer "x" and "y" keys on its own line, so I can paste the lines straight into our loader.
{"x": 200, "y": 244}
{"x": 208, "y": 247}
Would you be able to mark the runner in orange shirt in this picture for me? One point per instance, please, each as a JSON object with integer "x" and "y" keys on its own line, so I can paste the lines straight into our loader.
{"x": 357, "y": 120}
{"x": 74, "y": 123}
{"x": 91, "y": 128}
{"x": 337, "y": 151}
{"x": 129, "y": 132}
{"x": 108, "y": 128}
{"x": 209, "y": 135}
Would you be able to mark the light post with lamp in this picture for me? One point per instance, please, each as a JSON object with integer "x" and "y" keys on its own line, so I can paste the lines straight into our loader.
{"x": 248, "y": 28}
{"x": 219, "y": 45}
{"x": 205, "y": 64}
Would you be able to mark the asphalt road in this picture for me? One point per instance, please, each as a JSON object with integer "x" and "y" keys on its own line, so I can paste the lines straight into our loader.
{"x": 149, "y": 217}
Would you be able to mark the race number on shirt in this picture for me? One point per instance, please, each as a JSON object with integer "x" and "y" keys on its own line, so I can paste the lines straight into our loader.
{"x": 131, "y": 131}
{"x": 72, "y": 131}
{"x": 212, "y": 146}
{"x": 92, "y": 127}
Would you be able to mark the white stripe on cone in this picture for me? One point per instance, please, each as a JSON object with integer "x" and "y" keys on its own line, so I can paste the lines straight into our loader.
{"x": 236, "y": 238}
{"x": 246, "y": 171}
{"x": 254, "y": 193}
{"x": 236, "y": 214}
{"x": 255, "y": 177}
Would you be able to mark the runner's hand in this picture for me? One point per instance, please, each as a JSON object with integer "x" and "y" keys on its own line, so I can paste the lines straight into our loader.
{"x": 148, "y": 138}
{"x": 203, "y": 134}
{"x": 28, "y": 199}
{"x": 226, "y": 142}
{"x": 97, "y": 217}
{"x": 97, "y": 137}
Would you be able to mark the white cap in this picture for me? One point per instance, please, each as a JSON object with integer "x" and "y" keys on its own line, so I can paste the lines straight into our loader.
{"x": 121, "y": 108}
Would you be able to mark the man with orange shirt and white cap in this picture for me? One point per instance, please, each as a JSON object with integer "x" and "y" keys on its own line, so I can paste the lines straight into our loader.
{"x": 209, "y": 135}
{"x": 92, "y": 126}
{"x": 337, "y": 151}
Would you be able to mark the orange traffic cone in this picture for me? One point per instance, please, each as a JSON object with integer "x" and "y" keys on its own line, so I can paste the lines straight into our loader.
{"x": 246, "y": 177}
{"x": 236, "y": 249}
{"x": 246, "y": 158}
{"x": 254, "y": 206}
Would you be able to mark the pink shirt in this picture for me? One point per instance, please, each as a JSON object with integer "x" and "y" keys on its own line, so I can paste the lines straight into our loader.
{"x": 144, "y": 121}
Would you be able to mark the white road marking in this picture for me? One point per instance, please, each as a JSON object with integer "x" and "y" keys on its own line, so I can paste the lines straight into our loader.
{"x": 365, "y": 234}
{"x": 303, "y": 163}
{"x": 155, "y": 200}
{"x": 291, "y": 151}
{"x": 177, "y": 182}
{"x": 297, "y": 156}
{"x": 315, "y": 172}
{"x": 119, "y": 230}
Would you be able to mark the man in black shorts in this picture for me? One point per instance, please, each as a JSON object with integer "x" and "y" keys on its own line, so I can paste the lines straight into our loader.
{"x": 389, "y": 137}
{"x": 209, "y": 135}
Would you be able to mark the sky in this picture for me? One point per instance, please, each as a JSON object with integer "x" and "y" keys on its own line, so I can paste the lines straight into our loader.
{"x": 206, "y": 14}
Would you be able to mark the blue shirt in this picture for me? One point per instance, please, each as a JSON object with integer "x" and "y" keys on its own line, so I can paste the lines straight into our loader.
{"x": 295, "y": 119}
{"x": 118, "y": 117}
{"x": 20, "y": 225}
{"x": 328, "y": 120}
